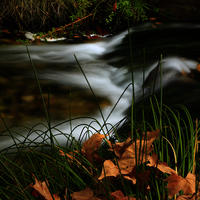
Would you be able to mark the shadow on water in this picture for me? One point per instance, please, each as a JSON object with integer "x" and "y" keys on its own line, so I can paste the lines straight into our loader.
{"x": 107, "y": 67}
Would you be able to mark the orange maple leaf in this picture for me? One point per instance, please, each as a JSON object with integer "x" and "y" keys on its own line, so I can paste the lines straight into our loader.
{"x": 177, "y": 183}
{"x": 118, "y": 195}
{"x": 162, "y": 166}
{"x": 42, "y": 190}
{"x": 86, "y": 194}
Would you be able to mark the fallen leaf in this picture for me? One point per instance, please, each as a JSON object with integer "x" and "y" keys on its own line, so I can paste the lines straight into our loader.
{"x": 186, "y": 197}
{"x": 142, "y": 179}
{"x": 110, "y": 169}
{"x": 132, "y": 176}
{"x": 189, "y": 197}
{"x": 177, "y": 183}
{"x": 90, "y": 146}
{"x": 159, "y": 23}
{"x": 86, "y": 194}
{"x": 70, "y": 156}
{"x": 93, "y": 142}
{"x": 136, "y": 153}
{"x": 120, "y": 147}
{"x": 118, "y": 195}
{"x": 152, "y": 18}
{"x": 162, "y": 166}
{"x": 42, "y": 190}
{"x": 151, "y": 135}
{"x": 78, "y": 36}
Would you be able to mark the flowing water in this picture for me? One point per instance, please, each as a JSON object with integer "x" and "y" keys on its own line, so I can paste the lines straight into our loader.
{"x": 107, "y": 67}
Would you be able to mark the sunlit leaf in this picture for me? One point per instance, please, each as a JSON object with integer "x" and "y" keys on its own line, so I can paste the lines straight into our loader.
{"x": 110, "y": 169}
{"x": 162, "y": 166}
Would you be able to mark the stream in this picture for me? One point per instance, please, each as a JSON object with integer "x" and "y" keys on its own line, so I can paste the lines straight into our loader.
{"x": 105, "y": 65}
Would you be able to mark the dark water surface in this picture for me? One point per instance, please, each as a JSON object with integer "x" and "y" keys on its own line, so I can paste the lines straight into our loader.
{"x": 107, "y": 66}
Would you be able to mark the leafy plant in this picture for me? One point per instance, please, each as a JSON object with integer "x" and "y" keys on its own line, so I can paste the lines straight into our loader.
{"x": 129, "y": 10}
{"x": 40, "y": 16}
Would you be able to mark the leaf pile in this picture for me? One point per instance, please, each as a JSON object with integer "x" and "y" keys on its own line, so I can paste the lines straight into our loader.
{"x": 126, "y": 164}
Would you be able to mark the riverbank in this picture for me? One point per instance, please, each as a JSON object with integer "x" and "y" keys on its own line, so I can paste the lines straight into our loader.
{"x": 104, "y": 19}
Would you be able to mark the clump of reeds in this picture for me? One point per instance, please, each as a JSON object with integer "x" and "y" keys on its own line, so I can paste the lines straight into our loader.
{"x": 96, "y": 166}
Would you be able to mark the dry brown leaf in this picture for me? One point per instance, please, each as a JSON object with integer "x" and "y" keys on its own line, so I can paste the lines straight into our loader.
{"x": 152, "y": 18}
{"x": 177, "y": 183}
{"x": 86, "y": 194}
{"x": 151, "y": 135}
{"x": 110, "y": 169}
{"x": 109, "y": 143}
{"x": 132, "y": 176}
{"x": 91, "y": 145}
{"x": 162, "y": 166}
{"x": 186, "y": 197}
{"x": 142, "y": 179}
{"x": 136, "y": 152}
{"x": 131, "y": 151}
{"x": 189, "y": 197}
{"x": 69, "y": 155}
{"x": 118, "y": 195}
{"x": 120, "y": 147}
{"x": 42, "y": 190}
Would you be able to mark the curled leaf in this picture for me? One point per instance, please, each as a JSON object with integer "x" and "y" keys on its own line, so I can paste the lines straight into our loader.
{"x": 90, "y": 146}
{"x": 162, "y": 166}
{"x": 42, "y": 190}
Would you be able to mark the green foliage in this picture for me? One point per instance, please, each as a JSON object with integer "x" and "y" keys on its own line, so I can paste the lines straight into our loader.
{"x": 26, "y": 41}
{"x": 37, "y": 16}
{"x": 129, "y": 10}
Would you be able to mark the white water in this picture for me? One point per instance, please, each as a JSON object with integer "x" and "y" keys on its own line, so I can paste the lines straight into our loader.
{"x": 106, "y": 80}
